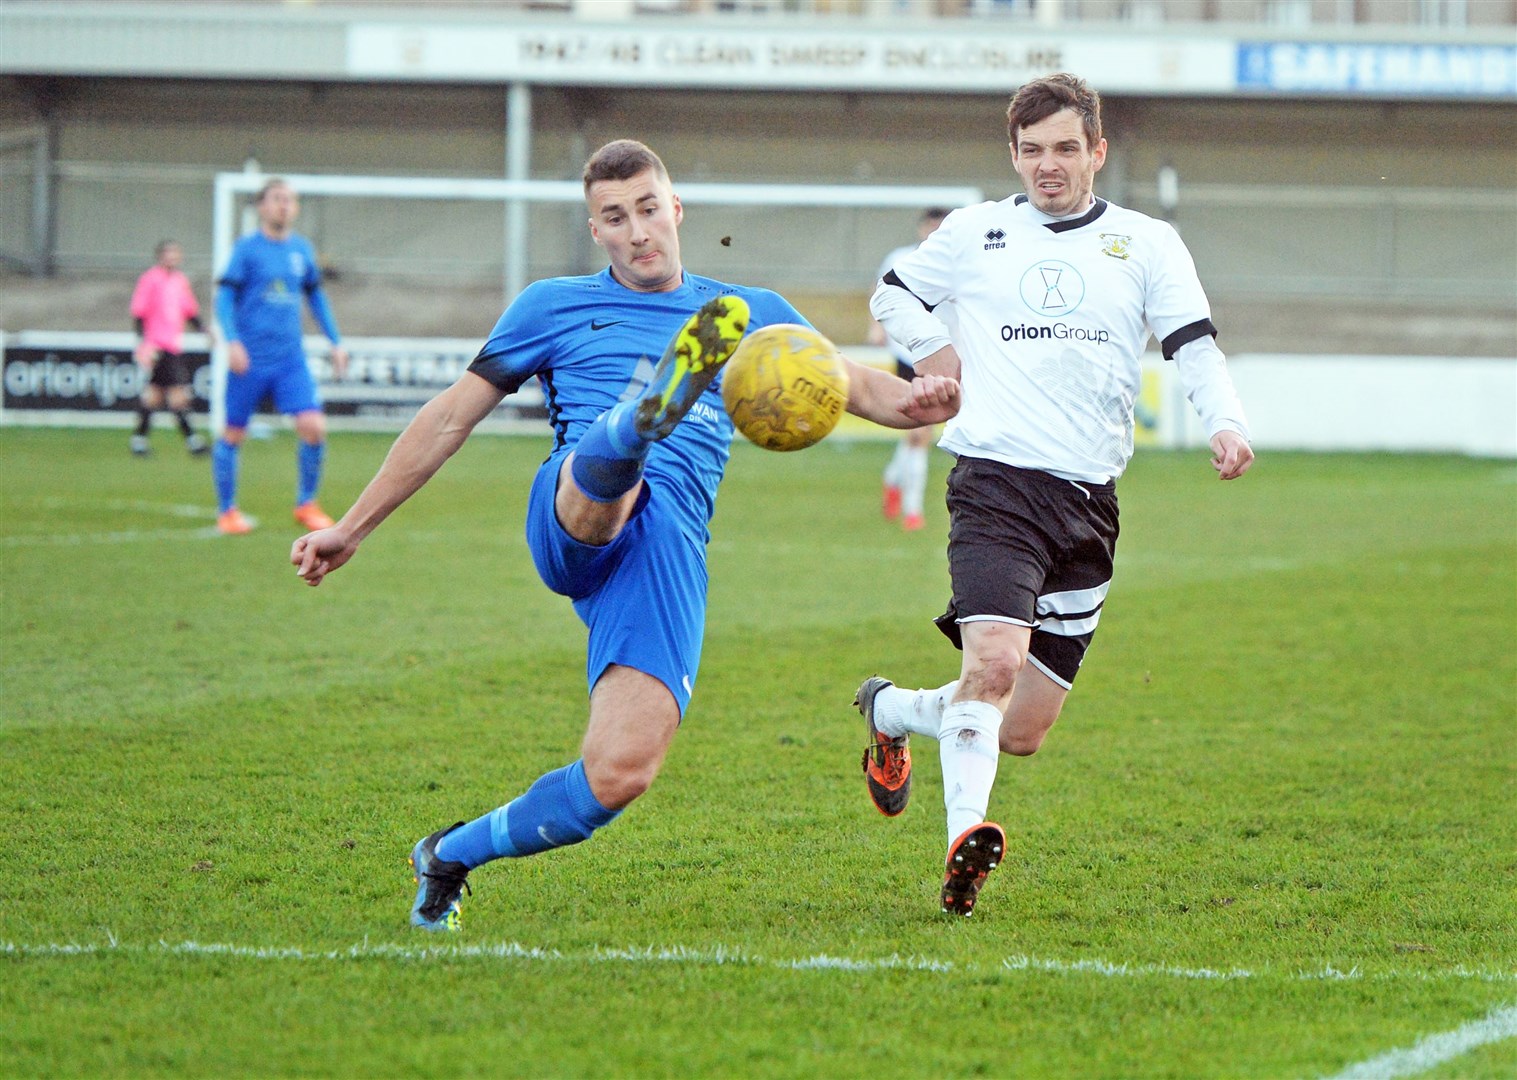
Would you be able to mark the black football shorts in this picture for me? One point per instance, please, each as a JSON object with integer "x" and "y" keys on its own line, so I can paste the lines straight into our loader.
{"x": 170, "y": 370}
{"x": 1031, "y": 549}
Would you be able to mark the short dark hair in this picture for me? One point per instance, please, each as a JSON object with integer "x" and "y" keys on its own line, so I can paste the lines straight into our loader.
{"x": 933, "y": 213}
{"x": 1039, "y": 99}
{"x": 164, "y": 245}
{"x": 622, "y": 159}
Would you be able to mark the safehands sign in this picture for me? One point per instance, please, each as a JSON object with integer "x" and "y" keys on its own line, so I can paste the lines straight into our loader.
{"x": 794, "y": 59}
{"x": 1410, "y": 70}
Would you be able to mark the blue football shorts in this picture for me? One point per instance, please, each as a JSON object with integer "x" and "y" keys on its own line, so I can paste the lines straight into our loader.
{"x": 642, "y": 596}
{"x": 289, "y": 384}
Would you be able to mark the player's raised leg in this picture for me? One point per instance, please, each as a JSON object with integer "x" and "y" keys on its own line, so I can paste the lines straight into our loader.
{"x": 608, "y": 461}
{"x": 892, "y": 715}
{"x": 887, "y": 758}
{"x": 689, "y": 364}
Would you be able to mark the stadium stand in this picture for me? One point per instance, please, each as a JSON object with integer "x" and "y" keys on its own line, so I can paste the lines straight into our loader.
{"x": 1344, "y": 216}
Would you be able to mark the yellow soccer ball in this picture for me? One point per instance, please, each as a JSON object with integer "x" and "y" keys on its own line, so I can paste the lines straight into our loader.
{"x": 785, "y": 387}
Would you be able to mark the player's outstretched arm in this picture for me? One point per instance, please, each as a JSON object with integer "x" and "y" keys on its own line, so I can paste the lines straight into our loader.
{"x": 892, "y": 402}
{"x": 433, "y": 436}
{"x": 1231, "y": 454}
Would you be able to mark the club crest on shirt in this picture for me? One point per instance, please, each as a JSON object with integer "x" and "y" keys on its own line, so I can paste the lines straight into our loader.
{"x": 1116, "y": 245}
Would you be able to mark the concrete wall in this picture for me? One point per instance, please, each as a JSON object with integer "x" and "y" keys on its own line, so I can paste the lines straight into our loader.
{"x": 1404, "y": 403}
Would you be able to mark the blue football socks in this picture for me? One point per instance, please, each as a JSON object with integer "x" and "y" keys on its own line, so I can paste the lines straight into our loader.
{"x": 556, "y": 811}
{"x": 608, "y": 460}
{"x": 309, "y": 460}
{"x": 224, "y": 474}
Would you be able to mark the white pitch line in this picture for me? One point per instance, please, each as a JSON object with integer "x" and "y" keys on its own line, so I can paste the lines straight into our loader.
{"x": 1433, "y": 1050}
{"x": 718, "y": 955}
{"x": 124, "y": 536}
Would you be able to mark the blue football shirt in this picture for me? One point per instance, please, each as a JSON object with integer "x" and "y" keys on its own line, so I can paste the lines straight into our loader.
{"x": 593, "y": 342}
{"x": 270, "y": 281}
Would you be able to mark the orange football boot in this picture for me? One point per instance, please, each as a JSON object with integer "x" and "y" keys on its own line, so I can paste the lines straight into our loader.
{"x": 312, "y": 517}
{"x": 971, "y": 858}
{"x": 887, "y": 761}
{"x": 232, "y": 523}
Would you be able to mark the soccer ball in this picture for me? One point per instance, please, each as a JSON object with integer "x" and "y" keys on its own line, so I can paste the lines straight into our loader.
{"x": 785, "y": 387}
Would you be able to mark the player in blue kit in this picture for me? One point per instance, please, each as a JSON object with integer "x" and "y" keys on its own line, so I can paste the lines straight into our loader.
{"x": 271, "y": 275}
{"x": 618, "y": 516}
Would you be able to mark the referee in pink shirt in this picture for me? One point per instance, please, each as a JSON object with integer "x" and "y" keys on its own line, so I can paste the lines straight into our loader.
{"x": 162, "y": 304}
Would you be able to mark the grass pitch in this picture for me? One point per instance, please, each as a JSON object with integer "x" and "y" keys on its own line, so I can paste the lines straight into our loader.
{"x": 1271, "y": 836}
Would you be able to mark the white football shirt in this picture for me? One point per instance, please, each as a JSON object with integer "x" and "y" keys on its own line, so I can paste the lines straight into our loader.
{"x": 1052, "y": 317}
{"x": 896, "y": 348}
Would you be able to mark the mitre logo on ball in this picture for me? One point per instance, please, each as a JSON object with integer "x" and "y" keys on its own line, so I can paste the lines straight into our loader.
{"x": 785, "y": 387}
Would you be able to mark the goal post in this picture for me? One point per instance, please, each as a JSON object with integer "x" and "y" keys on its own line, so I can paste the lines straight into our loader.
{"x": 232, "y": 189}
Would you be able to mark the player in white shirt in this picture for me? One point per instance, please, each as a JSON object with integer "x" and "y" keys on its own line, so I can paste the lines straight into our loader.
{"x": 1054, "y": 294}
{"x": 905, "y": 479}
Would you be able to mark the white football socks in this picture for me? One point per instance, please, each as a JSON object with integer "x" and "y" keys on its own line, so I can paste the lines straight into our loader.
{"x": 895, "y": 468}
{"x": 913, "y": 479}
{"x": 898, "y": 711}
{"x": 969, "y": 745}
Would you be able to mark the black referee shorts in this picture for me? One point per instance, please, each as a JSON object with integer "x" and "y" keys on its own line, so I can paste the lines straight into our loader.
{"x": 1028, "y": 548}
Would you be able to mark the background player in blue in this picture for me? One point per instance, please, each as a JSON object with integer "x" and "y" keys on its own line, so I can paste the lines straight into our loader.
{"x": 618, "y": 515}
{"x": 272, "y": 273}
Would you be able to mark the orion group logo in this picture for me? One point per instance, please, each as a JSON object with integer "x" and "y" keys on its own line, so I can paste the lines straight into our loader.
{"x": 1052, "y": 287}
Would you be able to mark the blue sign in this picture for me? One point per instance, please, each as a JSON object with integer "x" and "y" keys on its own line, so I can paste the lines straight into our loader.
{"x": 1484, "y": 71}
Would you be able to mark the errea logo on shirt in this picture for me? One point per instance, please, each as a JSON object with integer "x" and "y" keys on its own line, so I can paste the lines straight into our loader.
{"x": 1052, "y": 287}
{"x": 995, "y": 239}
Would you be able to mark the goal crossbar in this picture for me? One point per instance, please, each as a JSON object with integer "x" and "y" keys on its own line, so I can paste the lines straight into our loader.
{"x": 231, "y": 186}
